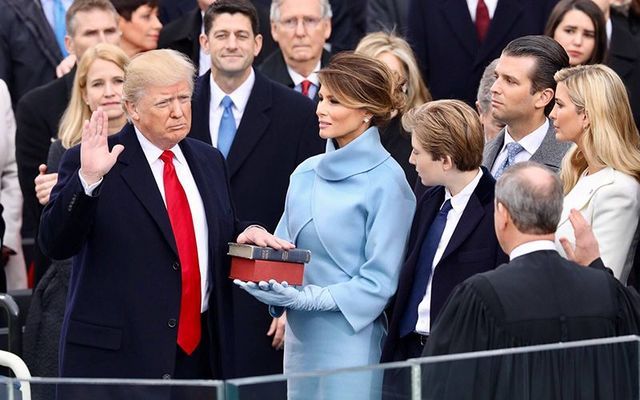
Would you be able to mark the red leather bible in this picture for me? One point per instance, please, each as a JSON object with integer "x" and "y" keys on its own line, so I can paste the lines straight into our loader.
{"x": 262, "y": 270}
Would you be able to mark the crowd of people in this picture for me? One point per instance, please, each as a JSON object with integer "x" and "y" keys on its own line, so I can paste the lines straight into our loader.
{"x": 444, "y": 161}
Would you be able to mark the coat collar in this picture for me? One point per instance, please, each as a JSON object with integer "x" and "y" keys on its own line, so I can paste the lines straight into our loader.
{"x": 361, "y": 155}
{"x": 581, "y": 194}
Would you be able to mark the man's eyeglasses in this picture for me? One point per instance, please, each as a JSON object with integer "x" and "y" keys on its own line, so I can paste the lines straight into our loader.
{"x": 307, "y": 22}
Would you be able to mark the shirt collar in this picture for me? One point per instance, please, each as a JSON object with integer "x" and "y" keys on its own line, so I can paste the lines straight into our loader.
{"x": 297, "y": 78}
{"x": 460, "y": 200}
{"x": 240, "y": 96}
{"x": 530, "y": 247}
{"x": 152, "y": 152}
{"x": 532, "y": 141}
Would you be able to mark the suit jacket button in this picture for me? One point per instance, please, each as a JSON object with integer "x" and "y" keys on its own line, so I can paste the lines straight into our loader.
{"x": 172, "y": 323}
{"x": 166, "y": 376}
{"x": 175, "y": 266}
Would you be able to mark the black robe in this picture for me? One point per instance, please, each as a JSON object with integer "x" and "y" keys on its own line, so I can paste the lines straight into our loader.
{"x": 537, "y": 298}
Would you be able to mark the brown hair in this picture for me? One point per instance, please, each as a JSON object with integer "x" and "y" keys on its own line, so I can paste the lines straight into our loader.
{"x": 448, "y": 128}
{"x": 126, "y": 8}
{"x": 591, "y": 10}
{"x": 362, "y": 82}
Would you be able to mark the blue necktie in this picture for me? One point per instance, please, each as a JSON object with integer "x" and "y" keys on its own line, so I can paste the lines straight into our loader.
{"x": 227, "y": 130}
{"x": 513, "y": 149}
{"x": 423, "y": 269}
{"x": 59, "y": 24}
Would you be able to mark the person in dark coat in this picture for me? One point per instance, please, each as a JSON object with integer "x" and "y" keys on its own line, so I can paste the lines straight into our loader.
{"x": 450, "y": 50}
{"x": 274, "y": 130}
{"x": 28, "y": 46}
{"x": 538, "y": 297}
{"x": 183, "y": 34}
{"x": 301, "y": 28}
{"x": 149, "y": 295}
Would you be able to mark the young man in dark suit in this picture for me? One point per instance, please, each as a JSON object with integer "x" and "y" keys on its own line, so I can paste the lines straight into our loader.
{"x": 521, "y": 97}
{"x": 183, "y": 34}
{"x": 147, "y": 215}
{"x": 452, "y": 236}
{"x": 264, "y": 130}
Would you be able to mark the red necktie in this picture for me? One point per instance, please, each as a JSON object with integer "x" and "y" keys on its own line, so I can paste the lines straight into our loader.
{"x": 305, "y": 85}
{"x": 182, "y": 225}
{"x": 482, "y": 20}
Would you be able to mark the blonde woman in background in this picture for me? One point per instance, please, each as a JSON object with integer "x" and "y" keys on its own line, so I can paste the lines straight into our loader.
{"x": 601, "y": 173}
{"x": 98, "y": 83}
{"x": 396, "y": 54}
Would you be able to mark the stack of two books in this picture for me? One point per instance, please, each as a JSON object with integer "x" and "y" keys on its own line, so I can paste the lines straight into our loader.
{"x": 255, "y": 263}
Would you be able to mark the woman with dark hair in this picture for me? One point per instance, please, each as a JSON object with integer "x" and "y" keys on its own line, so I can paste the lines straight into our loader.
{"x": 140, "y": 25}
{"x": 352, "y": 207}
{"x": 579, "y": 26}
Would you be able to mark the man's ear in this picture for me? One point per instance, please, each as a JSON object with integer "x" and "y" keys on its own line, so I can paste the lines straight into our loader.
{"x": 447, "y": 163}
{"x": 68, "y": 44}
{"x": 204, "y": 42}
{"x": 258, "y": 41}
{"x": 544, "y": 97}
{"x": 274, "y": 32}
{"x": 132, "y": 110}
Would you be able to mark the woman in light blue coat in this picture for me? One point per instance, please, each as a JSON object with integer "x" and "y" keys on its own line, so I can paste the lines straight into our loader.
{"x": 352, "y": 207}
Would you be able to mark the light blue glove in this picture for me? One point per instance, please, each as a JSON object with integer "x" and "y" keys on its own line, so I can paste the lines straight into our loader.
{"x": 310, "y": 298}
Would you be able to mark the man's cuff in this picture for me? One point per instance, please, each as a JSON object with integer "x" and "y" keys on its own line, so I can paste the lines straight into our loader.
{"x": 250, "y": 226}
{"x": 88, "y": 189}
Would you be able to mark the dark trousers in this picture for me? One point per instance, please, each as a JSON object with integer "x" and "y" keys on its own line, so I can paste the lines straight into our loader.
{"x": 397, "y": 382}
{"x": 197, "y": 365}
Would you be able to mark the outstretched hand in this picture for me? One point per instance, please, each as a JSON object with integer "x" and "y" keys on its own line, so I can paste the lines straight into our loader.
{"x": 95, "y": 158}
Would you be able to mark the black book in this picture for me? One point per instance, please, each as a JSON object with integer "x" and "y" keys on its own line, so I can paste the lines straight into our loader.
{"x": 267, "y": 253}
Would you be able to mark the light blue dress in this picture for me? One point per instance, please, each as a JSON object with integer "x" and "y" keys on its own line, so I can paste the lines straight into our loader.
{"x": 353, "y": 209}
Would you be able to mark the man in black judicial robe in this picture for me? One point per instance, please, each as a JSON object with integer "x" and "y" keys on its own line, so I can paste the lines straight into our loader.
{"x": 537, "y": 298}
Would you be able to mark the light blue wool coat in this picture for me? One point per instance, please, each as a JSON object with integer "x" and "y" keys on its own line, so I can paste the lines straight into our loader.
{"x": 353, "y": 209}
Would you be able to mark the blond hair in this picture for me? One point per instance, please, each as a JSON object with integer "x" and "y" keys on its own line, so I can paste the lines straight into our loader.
{"x": 362, "y": 82}
{"x": 156, "y": 68}
{"x": 611, "y": 138}
{"x": 374, "y": 44}
{"x": 70, "y": 131}
{"x": 448, "y": 128}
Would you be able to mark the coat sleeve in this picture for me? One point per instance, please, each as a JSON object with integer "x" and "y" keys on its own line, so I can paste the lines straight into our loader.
{"x": 390, "y": 212}
{"x": 68, "y": 217}
{"x": 614, "y": 222}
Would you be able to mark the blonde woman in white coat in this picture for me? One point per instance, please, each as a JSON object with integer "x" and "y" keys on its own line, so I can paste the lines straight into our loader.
{"x": 601, "y": 173}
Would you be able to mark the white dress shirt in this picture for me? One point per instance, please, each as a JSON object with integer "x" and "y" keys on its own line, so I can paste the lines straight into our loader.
{"x": 240, "y": 98}
{"x": 313, "y": 78}
{"x": 473, "y": 5}
{"x": 458, "y": 203}
{"x": 152, "y": 154}
{"x": 530, "y": 143}
{"x": 530, "y": 247}
{"x": 48, "y": 8}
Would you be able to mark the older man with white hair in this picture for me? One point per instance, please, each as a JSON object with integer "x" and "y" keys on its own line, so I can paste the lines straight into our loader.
{"x": 146, "y": 214}
{"x": 301, "y": 28}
